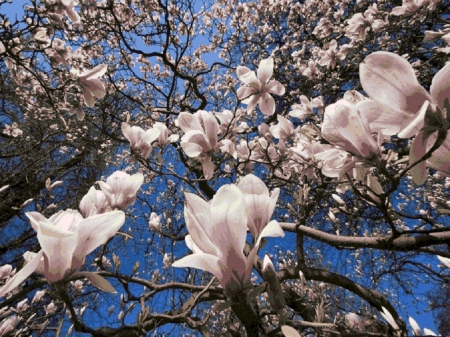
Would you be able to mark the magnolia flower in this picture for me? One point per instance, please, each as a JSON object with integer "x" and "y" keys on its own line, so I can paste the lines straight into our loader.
{"x": 283, "y": 130}
{"x": 217, "y": 235}
{"x": 12, "y": 130}
{"x": 259, "y": 87}
{"x": 200, "y": 139}
{"x": 408, "y": 7}
{"x": 8, "y": 325}
{"x": 67, "y": 7}
{"x": 354, "y": 322}
{"x": 259, "y": 205}
{"x": 155, "y": 222}
{"x": 5, "y": 271}
{"x": 66, "y": 239}
{"x": 163, "y": 137}
{"x": 347, "y": 128}
{"x": 92, "y": 87}
{"x": 93, "y": 203}
{"x": 140, "y": 140}
{"x": 401, "y": 102}
{"x": 120, "y": 189}
{"x": 38, "y": 296}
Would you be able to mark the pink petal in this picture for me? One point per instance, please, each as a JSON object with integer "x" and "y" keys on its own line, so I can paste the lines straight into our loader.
{"x": 95, "y": 72}
{"x": 241, "y": 71}
{"x": 208, "y": 168}
{"x": 265, "y": 70}
{"x": 383, "y": 118}
{"x": 416, "y": 124}
{"x": 275, "y": 87}
{"x": 188, "y": 122}
{"x": 229, "y": 223}
{"x": 88, "y": 97}
{"x": 252, "y": 103}
{"x": 194, "y": 141}
{"x": 95, "y": 231}
{"x": 391, "y": 80}
{"x": 207, "y": 262}
{"x": 249, "y": 78}
{"x": 198, "y": 223}
{"x": 150, "y": 135}
{"x": 251, "y": 184}
{"x": 267, "y": 104}
{"x": 245, "y": 92}
{"x": 417, "y": 151}
{"x": 440, "y": 86}
{"x": 22, "y": 275}
{"x": 211, "y": 127}
{"x": 96, "y": 87}
{"x": 58, "y": 246}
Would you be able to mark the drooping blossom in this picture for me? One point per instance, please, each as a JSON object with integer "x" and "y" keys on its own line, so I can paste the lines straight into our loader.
{"x": 400, "y": 101}
{"x": 66, "y": 239}
{"x": 93, "y": 203}
{"x": 120, "y": 189}
{"x": 140, "y": 140}
{"x": 91, "y": 85}
{"x": 217, "y": 235}
{"x": 257, "y": 90}
{"x": 347, "y": 128}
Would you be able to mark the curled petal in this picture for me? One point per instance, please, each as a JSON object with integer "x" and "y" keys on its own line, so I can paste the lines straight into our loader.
{"x": 207, "y": 262}
{"x": 440, "y": 86}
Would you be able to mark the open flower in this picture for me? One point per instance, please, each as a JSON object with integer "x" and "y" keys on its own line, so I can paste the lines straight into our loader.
{"x": 200, "y": 139}
{"x": 400, "y": 101}
{"x": 217, "y": 235}
{"x": 66, "y": 239}
{"x": 120, "y": 189}
{"x": 258, "y": 89}
{"x": 140, "y": 140}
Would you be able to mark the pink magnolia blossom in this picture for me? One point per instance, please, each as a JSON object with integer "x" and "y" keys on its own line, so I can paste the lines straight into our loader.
{"x": 92, "y": 87}
{"x": 283, "y": 130}
{"x": 217, "y": 235}
{"x": 388, "y": 317}
{"x": 354, "y": 322}
{"x": 408, "y": 7}
{"x": 330, "y": 56}
{"x": 5, "y": 271}
{"x": 12, "y": 130}
{"x": 400, "y": 101}
{"x": 66, "y": 239}
{"x": 8, "y": 325}
{"x": 347, "y": 128}
{"x": 120, "y": 189}
{"x": 258, "y": 89}
{"x": 140, "y": 140}
{"x": 163, "y": 137}
{"x": 93, "y": 203}
{"x": 200, "y": 139}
